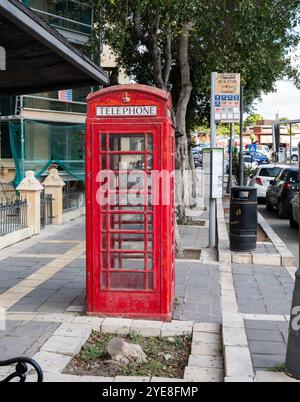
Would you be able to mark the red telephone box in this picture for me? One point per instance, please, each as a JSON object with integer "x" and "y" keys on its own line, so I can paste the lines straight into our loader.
{"x": 130, "y": 163}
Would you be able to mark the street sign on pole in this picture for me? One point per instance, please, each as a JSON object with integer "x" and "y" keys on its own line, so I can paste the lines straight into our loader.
{"x": 252, "y": 148}
{"x": 227, "y": 97}
{"x": 213, "y": 142}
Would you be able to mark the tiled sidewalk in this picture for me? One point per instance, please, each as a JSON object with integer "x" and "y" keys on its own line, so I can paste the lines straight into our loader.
{"x": 43, "y": 285}
{"x": 264, "y": 295}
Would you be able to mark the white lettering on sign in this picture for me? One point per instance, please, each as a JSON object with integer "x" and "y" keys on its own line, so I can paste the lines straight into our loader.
{"x": 114, "y": 111}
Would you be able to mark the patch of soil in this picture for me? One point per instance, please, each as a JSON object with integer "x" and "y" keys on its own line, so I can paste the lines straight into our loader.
{"x": 191, "y": 222}
{"x": 192, "y": 254}
{"x": 261, "y": 235}
{"x": 167, "y": 357}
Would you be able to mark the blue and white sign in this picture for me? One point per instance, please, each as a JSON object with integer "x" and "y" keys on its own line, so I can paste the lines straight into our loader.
{"x": 252, "y": 148}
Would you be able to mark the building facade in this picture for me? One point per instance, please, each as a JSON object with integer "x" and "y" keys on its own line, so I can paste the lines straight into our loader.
{"x": 43, "y": 129}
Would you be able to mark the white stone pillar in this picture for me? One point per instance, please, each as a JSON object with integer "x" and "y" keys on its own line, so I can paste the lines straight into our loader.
{"x": 54, "y": 185}
{"x": 30, "y": 189}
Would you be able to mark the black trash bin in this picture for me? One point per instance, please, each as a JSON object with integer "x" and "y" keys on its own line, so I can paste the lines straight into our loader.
{"x": 243, "y": 219}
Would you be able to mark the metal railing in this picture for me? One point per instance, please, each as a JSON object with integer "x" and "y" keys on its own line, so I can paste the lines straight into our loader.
{"x": 72, "y": 200}
{"x": 13, "y": 215}
{"x": 46, "y": 209}
{"x": 44, "y": 103}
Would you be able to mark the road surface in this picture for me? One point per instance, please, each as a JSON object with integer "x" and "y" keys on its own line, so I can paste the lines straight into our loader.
{"x": 283, "y": 230}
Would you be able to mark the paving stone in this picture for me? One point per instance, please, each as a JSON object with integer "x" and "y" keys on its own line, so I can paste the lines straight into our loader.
{"x": 18, "y": 345}
{"x": 267, "y": 376}
{"x": 232, "y": 320}
{"x": 266, "y": 259}
{"x": 63, "y": 345}
{"x": 93, "y": 322}
{"x": 206, "y": 349}
{"x": 61, "y": 378}
{"x": 206, "y": 362}
{"x": 147, "y": 328}
{"x": 262, "y": 335}
{"x": 267, "y": 361}
{"x": 241, "y": 258}
{"x": 96, "y": 379}
{"x": 52, "y": 362}
{"x": 239, "y": 379}
{"x": 177, "y": 328}
{"x": 206, "y": 327}
{"x": 121, "y": 326}
{"x": 164, "y": 379}
{"x": 120, "y": 378}
{"x": 206, "y": 338}
{"x": 73, "y": 330}
{"x": 238, "y": 362}
{"x": 234, "y": 337}
{"x": 267, "y": 347}
{"x": 203, "y": 375}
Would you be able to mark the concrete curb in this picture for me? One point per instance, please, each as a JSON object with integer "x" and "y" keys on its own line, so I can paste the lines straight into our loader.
{"x": 205, "y": 362}
{"x": 237, "y": 356}
{"x": 15, "y": 237}
{"x": 224, "y": 253}
{"x": 284, "y": 257}
{"x": 287, "y": 258}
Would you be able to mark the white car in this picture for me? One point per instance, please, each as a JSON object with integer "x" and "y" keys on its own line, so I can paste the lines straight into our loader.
{"x": 262, "y": 176}
{"x": 294, "y": 213}
{"x": 249, "y": 162}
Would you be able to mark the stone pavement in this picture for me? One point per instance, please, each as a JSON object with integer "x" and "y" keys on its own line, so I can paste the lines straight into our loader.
{"x": 264, "y": 294}
{"x": 42, "y": 283}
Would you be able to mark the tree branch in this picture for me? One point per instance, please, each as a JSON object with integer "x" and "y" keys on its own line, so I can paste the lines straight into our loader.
{"x": 168, "y": 56}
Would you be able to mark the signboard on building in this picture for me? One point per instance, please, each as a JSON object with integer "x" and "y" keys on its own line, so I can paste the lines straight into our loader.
{"x": 227, "y": 98}
{"x": 115, "y": 111}
{"x": 2, "y": 59}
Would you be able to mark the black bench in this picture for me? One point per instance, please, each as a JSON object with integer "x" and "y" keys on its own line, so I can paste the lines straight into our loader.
{"x": 21, "y": 369}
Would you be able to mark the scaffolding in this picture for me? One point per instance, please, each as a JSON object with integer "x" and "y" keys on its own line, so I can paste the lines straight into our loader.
{"x": 36, "y": 145}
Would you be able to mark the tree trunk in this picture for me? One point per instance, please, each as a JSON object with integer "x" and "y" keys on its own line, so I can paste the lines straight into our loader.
{"x": 182, "y": 151}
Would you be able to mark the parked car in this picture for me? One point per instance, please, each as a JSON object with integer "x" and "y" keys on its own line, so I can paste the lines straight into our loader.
{"x": 262, "y": 177}
{"x": 294, "y": 211}
{"x": 281, "y": 191}
{"x": 260, "y": 158}
{"x": 250, "y": 162}
{"x": 197, "y": 156}
{"x": 295, "y": 154}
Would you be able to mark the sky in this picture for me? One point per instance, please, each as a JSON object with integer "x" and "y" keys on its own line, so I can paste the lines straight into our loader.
{"x": 285, "y": 101}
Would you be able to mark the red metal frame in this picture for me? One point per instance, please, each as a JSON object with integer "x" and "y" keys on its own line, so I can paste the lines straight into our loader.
{"x": 116, "y": 241}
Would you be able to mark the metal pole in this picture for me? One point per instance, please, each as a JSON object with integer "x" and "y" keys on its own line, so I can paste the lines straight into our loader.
{"x": 230, "y": 156}
{"x": 292, "y": 362}
{"x": 22, "y": 150}
{"x": 291, "y": 145}
{"x": 241, "y": 139}
{"x": 213, "y": 142}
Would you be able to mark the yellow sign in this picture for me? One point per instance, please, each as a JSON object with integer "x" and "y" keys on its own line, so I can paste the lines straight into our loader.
{"x": 228, "y": 84}
{"x": 227, "y": 97}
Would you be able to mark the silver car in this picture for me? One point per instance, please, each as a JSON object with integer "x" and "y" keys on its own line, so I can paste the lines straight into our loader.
{"x": 294, "y": 213}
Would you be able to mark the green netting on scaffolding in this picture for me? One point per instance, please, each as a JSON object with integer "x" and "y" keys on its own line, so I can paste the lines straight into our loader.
{"x": 46, "y": 144}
